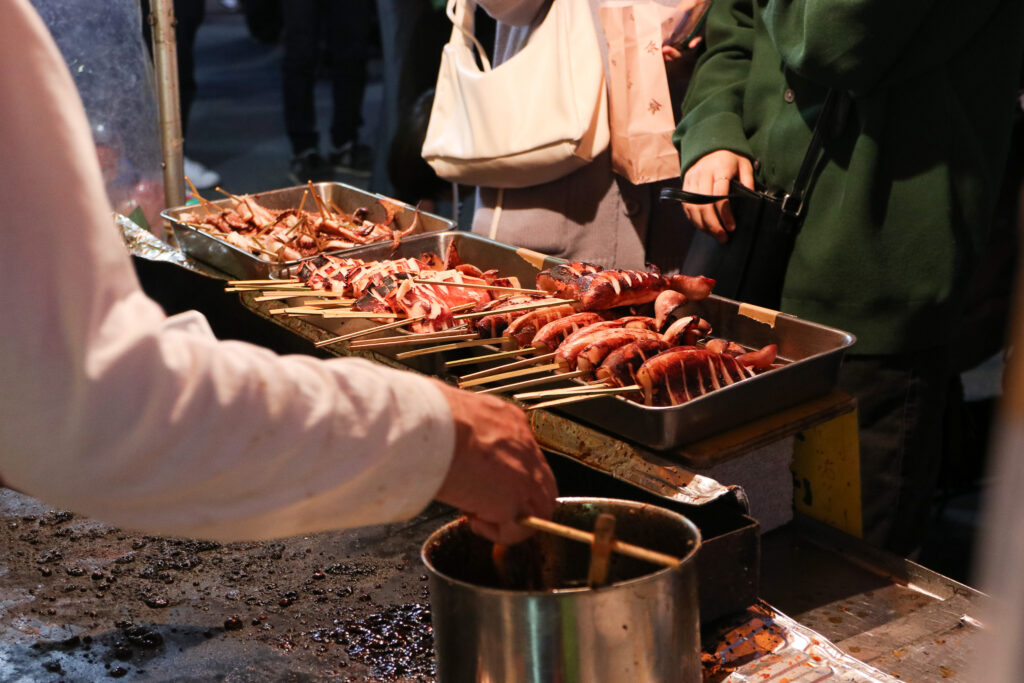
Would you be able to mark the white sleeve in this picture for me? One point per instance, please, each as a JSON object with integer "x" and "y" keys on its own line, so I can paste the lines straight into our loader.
{"x": 111, "y": 409}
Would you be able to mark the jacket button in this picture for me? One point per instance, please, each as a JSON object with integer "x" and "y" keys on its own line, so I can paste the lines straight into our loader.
{"x": 789, "y": 95}
{"x": 633, "y": 208}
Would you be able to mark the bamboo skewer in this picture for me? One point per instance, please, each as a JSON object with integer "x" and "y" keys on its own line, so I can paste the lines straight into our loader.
{"x": 329, "y": 303}
{"x": 469, "y": 342}
{"x": 507, "y": 375}
{"x": 244, "y": 283}
{"x": 369, "y": 331}
{"x": 297, "y": 310}
{"x": 574, "y": 534}
{"x": 276, "y": 295}
{"x": 426, "y": 336}
{"x": 264, "y": 288}
{"x": 360, "y": 314}
{"x": 565, "y": 391}
{"x": 476, "y": 360}
{"x": 498, "y": 370}
{"x": 601, "y": 550}
{"x": 412, "y": 341}
{"x": 513, "y": 309}
{"x": 563, "y": 401}
{"x": 476, "y": 285}
{"x": 595, "y": 389}
{"x": 532, "y": 382}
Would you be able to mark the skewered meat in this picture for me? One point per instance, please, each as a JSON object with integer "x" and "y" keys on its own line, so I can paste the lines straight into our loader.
{"x": 762, "y": 359}
{"x": 619, "y": 367}
{"x": 613, "y": 288}
{"x": 555, "y": 332}
{"x": 666, "y": 303}
{"x": 593, "y": 354}
{"x": 686, "y": 372}
{"x": 686, "y": 331}
{"x": 695, "y": 287}
{"x": 293, "y": 233}
{"x": 560, "y": 280}
{"x": 725, "y": 346}
{"x": 522, "y": 330}
{"x": 596, "y": 289}
{"x": 568, "y": 352}
{"x": 495, "y": 325}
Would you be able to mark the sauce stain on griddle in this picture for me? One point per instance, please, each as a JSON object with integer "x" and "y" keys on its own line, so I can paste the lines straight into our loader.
{"x": 397, "y": 643}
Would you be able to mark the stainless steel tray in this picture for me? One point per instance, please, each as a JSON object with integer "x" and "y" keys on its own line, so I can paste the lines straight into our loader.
{"x": 242, "y": 265}
{"x": 814, "y": 353}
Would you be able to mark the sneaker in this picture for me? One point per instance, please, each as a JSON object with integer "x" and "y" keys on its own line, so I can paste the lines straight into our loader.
{"x": 309, "y": 165}
{"x": 203, "y": 178}
{"x": 352, "y": 157}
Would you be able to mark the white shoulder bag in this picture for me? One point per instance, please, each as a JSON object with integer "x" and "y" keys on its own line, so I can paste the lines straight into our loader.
{"x": 532, "y": 119}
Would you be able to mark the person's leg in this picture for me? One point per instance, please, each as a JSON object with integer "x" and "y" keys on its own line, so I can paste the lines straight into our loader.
{"x": 349, "y": 26}
{"x": 298, "y": 70}
{"x": 900, "y": 403}
{"x": 188, "y": 15}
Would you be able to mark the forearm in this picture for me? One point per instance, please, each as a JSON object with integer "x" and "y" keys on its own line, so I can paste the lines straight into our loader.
{"x": 170, "y": 431}
{"x": 712, "y": 110}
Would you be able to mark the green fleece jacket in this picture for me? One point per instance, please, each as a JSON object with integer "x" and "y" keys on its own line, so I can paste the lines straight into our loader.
{"x": 901, "y": 208}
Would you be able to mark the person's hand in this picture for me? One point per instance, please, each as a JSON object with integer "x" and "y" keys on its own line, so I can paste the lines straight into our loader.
{"x": 680, "y": 62}
{"x": 711, "y": 175}
{"x": 498, "y": 473}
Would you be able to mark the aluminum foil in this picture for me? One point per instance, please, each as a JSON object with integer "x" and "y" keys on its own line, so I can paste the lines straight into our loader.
{"x": 765, "y": 645}
{"x": 144, "y": 244}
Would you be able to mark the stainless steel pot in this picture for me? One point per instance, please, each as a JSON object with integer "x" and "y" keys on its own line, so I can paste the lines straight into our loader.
{"x": 537, "y": 622}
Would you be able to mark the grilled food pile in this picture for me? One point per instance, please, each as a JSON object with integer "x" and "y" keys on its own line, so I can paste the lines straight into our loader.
{"x": 283, "y": 235}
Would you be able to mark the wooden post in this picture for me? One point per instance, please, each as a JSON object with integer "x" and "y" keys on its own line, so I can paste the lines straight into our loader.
{"x": 165, "y": 58}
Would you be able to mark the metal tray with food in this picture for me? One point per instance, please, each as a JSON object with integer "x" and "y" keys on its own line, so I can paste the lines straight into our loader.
{"x": 806, "y": 355}
{"x": 246, "y": 259}
{"x": 810, "y": 356}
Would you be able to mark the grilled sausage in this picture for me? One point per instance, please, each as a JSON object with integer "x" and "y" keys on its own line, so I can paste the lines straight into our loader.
{"x": 695, "y": 287}
{"x": 494, "y": 325}
{"x": 729, "y": 348}
{"x": 686, "y": 372}
{"x": 619, "y": 367}
{"x": 614, "y": 288}
{"x": 554, "y": 333}
{"x": 666, "y": 303}
{"x": 686, "y": 331}
{"x": 594, "y": 353}
{"x": 761, "y": 359}
{"x": 522, "y": 330}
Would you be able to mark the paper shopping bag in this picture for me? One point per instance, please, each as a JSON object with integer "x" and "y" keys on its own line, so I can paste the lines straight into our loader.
{"x": 639, "y": 105}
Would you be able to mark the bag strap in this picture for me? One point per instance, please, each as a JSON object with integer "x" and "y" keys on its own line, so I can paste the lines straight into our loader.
{"x": 793, "y": 201}
{"x": 461, "y": 13}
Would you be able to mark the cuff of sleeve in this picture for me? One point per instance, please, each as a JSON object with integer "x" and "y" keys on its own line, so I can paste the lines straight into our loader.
{"x": 427, "y": 451}
{"x": 719, "y": 131}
